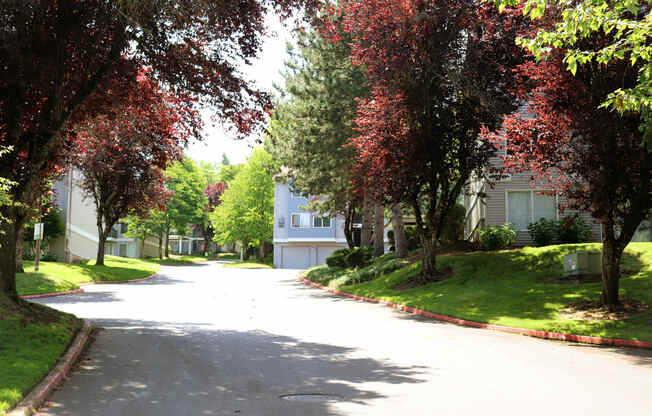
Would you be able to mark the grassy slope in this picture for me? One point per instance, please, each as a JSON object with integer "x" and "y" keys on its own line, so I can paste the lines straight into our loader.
{"x": 58, "y": 277}
{"x": 179, "y": 260}
{"x": 512, "y": 288}
{"x": 29, "y": 347}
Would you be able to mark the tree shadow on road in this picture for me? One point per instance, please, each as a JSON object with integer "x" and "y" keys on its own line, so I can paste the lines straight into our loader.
{"x": 175, "y": 368}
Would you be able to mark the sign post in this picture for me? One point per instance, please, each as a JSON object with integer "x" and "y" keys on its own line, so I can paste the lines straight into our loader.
{"x": 38, "y": 236}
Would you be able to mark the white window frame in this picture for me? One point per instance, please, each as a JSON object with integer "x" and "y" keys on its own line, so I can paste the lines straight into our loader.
{"x": 532, "y": 192}
{"x": 330, "y": 221}
{"x": 301, "y": 215}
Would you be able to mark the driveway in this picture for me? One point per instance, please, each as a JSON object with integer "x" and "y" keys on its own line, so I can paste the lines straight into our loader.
{"x": 204, "y": 340}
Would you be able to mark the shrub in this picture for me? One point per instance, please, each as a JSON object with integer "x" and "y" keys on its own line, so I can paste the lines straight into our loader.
{"x": 454, "y": 224}
{"x": 411, "y": 237}
{"x": 50, "y": 257}
{"x": 573, "y": 229}
{"x": 359, "y": 256}
{"x": 381, "y": 266}
{"x": 494, "y": 238}
{"x": 338, "y": 258}
{"x": 543, "y": 232}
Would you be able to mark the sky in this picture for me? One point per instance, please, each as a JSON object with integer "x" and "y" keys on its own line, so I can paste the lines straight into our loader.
{"x": 266, "y": 72}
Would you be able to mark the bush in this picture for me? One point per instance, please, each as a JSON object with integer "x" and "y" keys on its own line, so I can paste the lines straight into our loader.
{"x": 454, "y": 224}
{"x": 573, "y": 229}
{"x": 338, "y": 258}
{"x": 381, "y": 266}
{"x": 411, "y": 237}
{"x": 359, "y": 256}
{"x": 50, "y": 257}
{"x": 543, "y": 232}
{"x": 494, "y": 238}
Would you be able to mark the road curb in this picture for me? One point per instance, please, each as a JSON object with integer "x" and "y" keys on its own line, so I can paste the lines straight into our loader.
{"x": 51, "y": 295}
{"x": 37, "y": 395}
{"x": 585, "y": 339}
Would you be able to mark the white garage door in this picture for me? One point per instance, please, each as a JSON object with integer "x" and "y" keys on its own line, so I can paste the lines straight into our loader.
{"x": 323, "y": 253}
{"x": 296, "y": 257}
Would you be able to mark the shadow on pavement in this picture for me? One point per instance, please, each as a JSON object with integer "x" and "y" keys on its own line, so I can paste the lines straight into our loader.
{"x": 161, "y": 368}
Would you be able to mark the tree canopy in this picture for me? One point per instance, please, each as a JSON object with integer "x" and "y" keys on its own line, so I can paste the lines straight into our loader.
{"x": 247, "y": 210}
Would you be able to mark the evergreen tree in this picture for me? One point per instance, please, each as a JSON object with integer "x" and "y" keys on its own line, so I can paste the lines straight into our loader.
{"x": 313, "y": 120}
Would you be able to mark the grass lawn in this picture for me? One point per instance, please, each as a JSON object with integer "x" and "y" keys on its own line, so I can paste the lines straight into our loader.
{"x": 59, "y": 277}
{"x": 179, "y": 260}
{"x": 248, "y": 265}
{"x": 228, "y": 256}
{"x": 29, "y": 347}
{"x": 512, "y": 287}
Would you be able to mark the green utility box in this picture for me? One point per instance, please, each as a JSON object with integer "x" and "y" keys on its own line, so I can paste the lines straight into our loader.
{"x": 582, "y": 262}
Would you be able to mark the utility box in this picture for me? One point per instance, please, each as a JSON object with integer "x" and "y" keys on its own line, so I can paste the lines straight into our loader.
{"x": 582, "y": 262}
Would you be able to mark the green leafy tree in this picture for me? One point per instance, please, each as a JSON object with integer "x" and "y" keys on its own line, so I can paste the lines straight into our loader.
{"x": 247, "y": 210}
{"x": 624, "y": 28}
{"x": 150, "y": 225}
{"x": 227, "y": 173}
{"x": 186, "y": 207}
{"x": 313, "y": 120}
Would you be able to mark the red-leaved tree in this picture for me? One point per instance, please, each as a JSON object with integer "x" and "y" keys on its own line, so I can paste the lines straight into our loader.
{"x": 55, "y": 54}
{"x": 594, "y": 158}
{"x": 438, "y": 72}
{"x": 213, "y": 192}
{"x": 123, "y": 151}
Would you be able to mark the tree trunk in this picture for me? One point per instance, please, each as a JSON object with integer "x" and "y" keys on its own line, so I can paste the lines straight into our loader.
{"x": 348, "y": 226}
{"x": 160, "y": 244}
{"x": 429, "y": 270}
{"x": 400, "y": 242}
{"x": 20, "y": 245}
{"x": 167, "y": 236}
{"x": 245, "y": 250}
{"x": 261, "y": 251}
{"x": 8, "y": 259}
{"x": 142, "y": 248}
{"x": 367, "y": 222}
{"x": 379, "y": 229}
{"x": 612, "y": 252}
{"x": 100, "y": 249}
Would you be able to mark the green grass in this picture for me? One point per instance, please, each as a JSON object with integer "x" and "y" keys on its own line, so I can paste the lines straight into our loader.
{"x": 29, "y": 348}
{"x": 512, "y": 288}
{"x": 248, "y": 265}
{"x": 228, "y": 256}
{"x": 179, "y": 260}
{"x": 59, "y": 277}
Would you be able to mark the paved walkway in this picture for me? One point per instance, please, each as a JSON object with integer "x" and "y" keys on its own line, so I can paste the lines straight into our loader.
{"x": 203, "y": 340}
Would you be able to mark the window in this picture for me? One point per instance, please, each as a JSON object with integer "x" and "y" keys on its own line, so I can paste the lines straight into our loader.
{"x": 524, "y": 207}
{"x": 301, "y": 220}
{"x": 321, "y": 222}
{"x": 123, "y": 227}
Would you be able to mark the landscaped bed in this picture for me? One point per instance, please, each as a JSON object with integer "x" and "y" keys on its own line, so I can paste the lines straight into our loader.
{"x": 519, "y": 288}
{"x": 32, "y": 338}
{"x": 248, "y": 265}
{"x": 61, "y": 277}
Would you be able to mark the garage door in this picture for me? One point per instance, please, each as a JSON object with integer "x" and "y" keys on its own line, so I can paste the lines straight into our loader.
{"x": 296, "y": 257}
{"x": 323, "y": 253}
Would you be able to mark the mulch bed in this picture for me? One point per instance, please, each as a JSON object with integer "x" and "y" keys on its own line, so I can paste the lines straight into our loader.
{"x": 594, "y": 311}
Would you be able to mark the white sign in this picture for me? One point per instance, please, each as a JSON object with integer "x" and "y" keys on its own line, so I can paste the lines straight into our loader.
{"x": 38, "y": 231}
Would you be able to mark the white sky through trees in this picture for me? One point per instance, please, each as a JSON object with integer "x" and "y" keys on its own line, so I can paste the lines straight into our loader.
{"x": 265, "y": 72}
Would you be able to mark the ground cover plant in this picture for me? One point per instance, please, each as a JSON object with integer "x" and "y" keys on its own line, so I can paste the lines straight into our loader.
{"x": 58, "y": 277}
{"x": 30, "y": 347}
{"x": 520, "y": 288}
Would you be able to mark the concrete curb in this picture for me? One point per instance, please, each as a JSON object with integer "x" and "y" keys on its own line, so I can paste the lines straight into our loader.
{"x": 29, "y": 405}
{"x": 50, "y": 295}
{"x": 80, "y": 290}
{"x": 529, "y": 332}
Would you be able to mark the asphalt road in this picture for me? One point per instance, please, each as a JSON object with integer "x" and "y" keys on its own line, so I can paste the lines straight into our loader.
{"x": 204, "y": 340}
